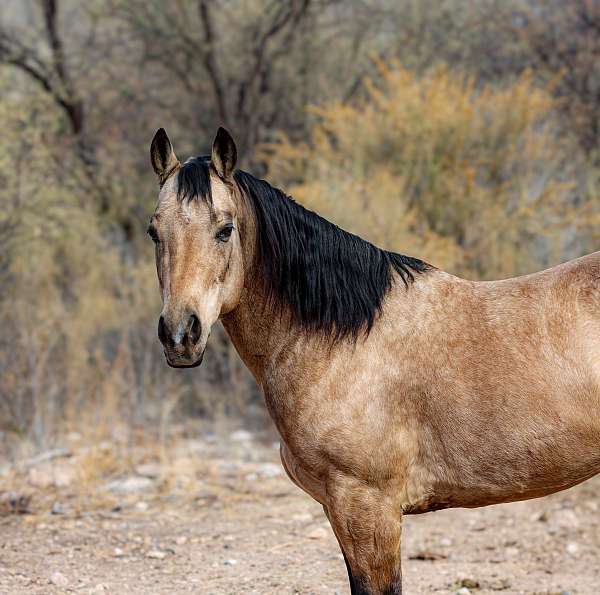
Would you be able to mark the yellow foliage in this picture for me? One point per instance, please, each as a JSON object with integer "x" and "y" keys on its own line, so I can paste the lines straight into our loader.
{"x": 474, "y": 180}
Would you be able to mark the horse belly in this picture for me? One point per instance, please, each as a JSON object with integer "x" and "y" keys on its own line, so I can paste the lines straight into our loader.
{"x": 477, "y": 464}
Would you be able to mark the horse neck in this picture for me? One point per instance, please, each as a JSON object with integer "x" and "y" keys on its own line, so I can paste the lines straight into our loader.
{"x": 259, "y": 332}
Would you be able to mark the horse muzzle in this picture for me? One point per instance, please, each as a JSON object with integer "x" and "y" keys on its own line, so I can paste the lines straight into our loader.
{"x": 178, "y": 362}
{"x": 182, "y": 341}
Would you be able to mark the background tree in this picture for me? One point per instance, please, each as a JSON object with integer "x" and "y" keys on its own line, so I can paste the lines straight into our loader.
{"x": 463, "y": 132}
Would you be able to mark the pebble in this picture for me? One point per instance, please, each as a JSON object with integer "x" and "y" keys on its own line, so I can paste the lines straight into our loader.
{"x": 182, "y": 540}
{"x": 318, "y": 533}
{"x": 230, "y": 562}
{"x": 59, "y": 579}
{"x": 130, "y": 485}
{"x": 240, "y": 436}
{"x": 60, "y": 475}
{"x": 463, "y": 591}
{"x": 500, "y": 584}
{"x": 156, "y": 554}
{"x": 269, "y": 470}
{"x": 572, "y": 548}
{"x": 150, "y": 470}
{"x": 592, "y": 505}
{"x": 64, "y": 476}
{"x": 40, "y": 478}
{"x": 539, "y": 517}
{"x": 565, "y": 519}
{"x": 141, "y": 506}
{"x": 118, "y": 552}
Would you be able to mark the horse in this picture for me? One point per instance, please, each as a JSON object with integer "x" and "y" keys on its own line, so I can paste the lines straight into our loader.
{"x": 396, "y": 388}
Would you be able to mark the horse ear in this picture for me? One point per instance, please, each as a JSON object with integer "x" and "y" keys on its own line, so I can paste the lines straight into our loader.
{"x": 224, "y": 154}
{"x": 162, "y": 155}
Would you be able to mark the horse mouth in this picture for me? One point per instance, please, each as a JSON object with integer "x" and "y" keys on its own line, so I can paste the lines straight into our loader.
{"x": 182, "y": 362}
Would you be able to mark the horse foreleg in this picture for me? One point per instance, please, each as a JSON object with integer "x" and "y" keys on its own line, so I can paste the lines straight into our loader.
{"x": 353, "y": 590}
{"x": 368, "y": 526}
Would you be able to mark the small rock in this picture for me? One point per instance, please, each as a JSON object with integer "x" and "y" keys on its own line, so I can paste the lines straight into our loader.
{"x": 118, "y": 552}
{"x": 427, "y": 555}
{"x": 40, "y": 478}
{"x": 540, "y": 517}
{"x": 592, "y": 505}
{"x": 57, "y": 508}
{"x": 59, "y": 579}
{"x": 230, "y": 562}
{"x": 318, "y": 533}
{"x": 269, "y": 470}
{"x": 141, "y": 506}
{"x": 468, "y": 583}
{"x": 130, "y": 485}
{"x": 64, "y": 476}
{"x": 572, "y": 548}
{"x": 240, "y": 436}
{"x": 182, "y": 540}
{"x": 14, "y": 503}
{"x": 150, "y": 470}
{"x": 500, "y": 584}
{"x": 49, "y": 474}
{"x": 511, "y": 552}
{"x": 228, "y": 468}
{"x": 156, "y": 554}
{"x": 463, "y": 591}
{"x": 565, "y": 519}
{"x": 445, "y": 542}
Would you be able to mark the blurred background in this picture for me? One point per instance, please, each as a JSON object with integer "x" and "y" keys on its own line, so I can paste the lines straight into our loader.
{"x": 464, "y": 132}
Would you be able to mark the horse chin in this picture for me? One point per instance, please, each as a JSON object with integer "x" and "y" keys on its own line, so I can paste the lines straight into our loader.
{"x": 179, "y": 362}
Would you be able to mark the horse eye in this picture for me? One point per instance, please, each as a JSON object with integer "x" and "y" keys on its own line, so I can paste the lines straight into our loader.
{"x": 224, "y": 233}
{"x": 153, "y": 235}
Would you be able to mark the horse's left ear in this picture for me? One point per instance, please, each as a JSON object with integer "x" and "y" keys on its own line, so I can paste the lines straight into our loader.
{"x": 224, "y": 154}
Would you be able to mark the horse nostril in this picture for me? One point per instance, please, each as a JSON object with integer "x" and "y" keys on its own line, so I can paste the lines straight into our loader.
{"x": 163, "y": 333}
{"x": 195, "y": 329}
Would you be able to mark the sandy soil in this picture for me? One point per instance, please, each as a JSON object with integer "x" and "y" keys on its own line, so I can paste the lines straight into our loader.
{"x": 237, "y": 525}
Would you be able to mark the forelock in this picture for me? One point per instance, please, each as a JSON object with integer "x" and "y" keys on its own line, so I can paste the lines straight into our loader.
{"x": 193, "y": 180}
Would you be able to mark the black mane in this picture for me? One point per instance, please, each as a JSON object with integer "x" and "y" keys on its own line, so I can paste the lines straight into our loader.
{"x": 332, "y": 281}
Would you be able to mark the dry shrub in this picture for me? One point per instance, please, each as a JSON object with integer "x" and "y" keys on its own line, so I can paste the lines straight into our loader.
{"x": 477, "y": 180}
{"x": 78, "y": 308}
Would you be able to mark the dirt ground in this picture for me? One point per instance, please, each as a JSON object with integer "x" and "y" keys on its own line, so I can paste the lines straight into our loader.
{"x": 216, "y": 520}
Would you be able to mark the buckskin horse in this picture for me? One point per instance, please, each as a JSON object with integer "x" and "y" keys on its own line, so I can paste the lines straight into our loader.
{"x": 397, "y": 388}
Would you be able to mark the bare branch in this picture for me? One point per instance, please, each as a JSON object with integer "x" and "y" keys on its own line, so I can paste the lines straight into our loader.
{"x": 210, "y": 60}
